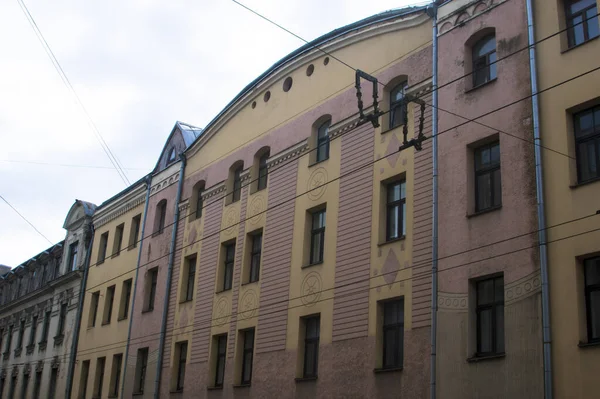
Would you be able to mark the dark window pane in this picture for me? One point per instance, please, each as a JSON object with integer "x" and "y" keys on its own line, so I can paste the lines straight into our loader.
{"x": 390, "y": 348}
{"x": 393, "y": 219}
{"x": 485, "y": 45}
{"x": 485, "y": 331}
{"x": 578, "y": 29}
{"x": 247, "y": 372}
{"x": 483, "y": 191}
{"x": 592, "y": 271}
{"x": 499, "y": 328}
{"x": 584, "y": 123}
{"x": 497, "y": 200}
{"x": 592, "y": 23}
{"x": 594, "y": 314}
{"x": 309, "y": 360}
{"x": 495, "y": 154}
{"x": 485, "y": 292}
{"x": 493, "y": 64}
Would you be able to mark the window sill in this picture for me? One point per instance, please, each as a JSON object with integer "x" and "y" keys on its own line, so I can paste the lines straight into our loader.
{"x": 488, "y": 210}
{"x": 112, "y": 257}
{"x": 5, "y": 355}
{"x": 113, "y": 396}
{"x": 585, "y": 183}
{"x": 476, "y": 358}
{"x": 58, "y": 340}
{"x": 475, "y": 88}
{"x": 137, "y": 393}
{"x": 147, "y": 310}
{"x": 157, "y": 233}
{"x": 105, "y": 323}
{"x": 391, "y": 241}
{"x": 133, "y": 246}
{"x": 311, "y": 265}
{"x": 186, "y": 301}
{"x": 317, "y": 162}
{"x": 214, "y": 388}
{"x": 42, "y": 345}
{"x": 122, "y": 318}
{"x": 305, "y": 379}
{"x": 222, "y": 291}
{"x": 29, "y": 349}
{"x": 242, "y": 386}
{"x": 98, "y": 263}
{"x": 177, "y": 391}
{"x": 579, "y": 45}
{"x": 250, "y": 282}
{"x": 388, "y": 370}
{"x": 591, "y": 344}
{"x": 394, "y": 128}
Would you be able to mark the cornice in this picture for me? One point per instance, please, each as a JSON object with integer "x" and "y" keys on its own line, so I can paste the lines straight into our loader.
{"x": 344, "y": 40}
{"x": 291, "y": 152}
{"x": 164, "y": 183}
{"x": 120, "y": 206}
{"x": 214, "y": 190}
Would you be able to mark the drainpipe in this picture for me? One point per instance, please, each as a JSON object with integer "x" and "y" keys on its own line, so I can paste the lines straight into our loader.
{"x": 75, "y": 342}
{"x": 434, "y": 239}
{"x": 541, "y": 211}
{"x": 137, "y": 270}
{"x": 163, "y": 327}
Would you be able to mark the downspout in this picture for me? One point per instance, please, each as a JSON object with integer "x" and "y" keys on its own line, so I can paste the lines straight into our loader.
{"x": 75, "y": 342}
{"x": 137, "y": 270}
{"x": 163, "y": 327}
{"x": 434, "y": 227}
{"x": 541, "y": 211}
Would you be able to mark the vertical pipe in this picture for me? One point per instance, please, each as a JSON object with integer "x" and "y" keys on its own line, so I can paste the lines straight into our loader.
{"x": 541, "y": 211}
{"x": 163, "y": 326}
{"x": 75, "y": 342}
{"x": 137, "y": 270}
{"x": 434, "y": 227}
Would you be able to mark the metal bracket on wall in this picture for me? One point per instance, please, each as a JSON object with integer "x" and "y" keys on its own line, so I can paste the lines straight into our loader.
{"x": 418, "y": 141}
{"x": 372, "y": 117}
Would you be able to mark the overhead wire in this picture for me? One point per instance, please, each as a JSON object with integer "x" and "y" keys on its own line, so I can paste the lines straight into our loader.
{"x": 25, "y": 219}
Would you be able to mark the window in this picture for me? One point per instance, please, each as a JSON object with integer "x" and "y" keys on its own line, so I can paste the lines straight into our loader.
{"x": 247, "y": 355}
{"x": 587, "y": 141}
{"x": 13, "y": 387}
{"x": 317, "y": 237}
{"x": 228, "y": 266}
{"x": 592, "y": 297}
{"x": 199, "y": 202}
{"x": 94, "y": 309}
{"x": 46, "y": 327}
{"x": 262, "y": 171}
{"x": 72, "y": 265}
{"x": 53, "y": 381}
{"x": 151, "y": 280}
{"x": 237, "y": 185}
{"x": 397, "y": 105}
{"x": 2, "y": 382}
{"x": 8, "y": 340}
{"x": 255, "y": 255}
{"x": 484, "y": 58}
{"x": 582, "y": 21}
{"x": 118, "y": 239}
{"x": 1, "y": 341}
{"x": 115, "y": 377}
{"x": 220, "y": 358}
{"x": 108, "y": 304}
{"x": 24, "y": 386}
{"x": 490, "y": 316}
{"x": 161, "y": 215}
{"x": 85, "y": 373}
{"x": 37, "y": 384}
{"x": 21, "y": 334}
{"x": 172, "y": 156}
{"x": 323, "y": 141}
{"x": 134, "y": 232}
{"x": 62, "y": 319}
{"x": 311, "y": 346}
{"x": 125, "y": 299}
{"x": 140, "y": 370}
{"x": 182, "y": 359}
{"x": 393, "y": 333}
{"x": 99, "y": 378}
{"x": 102, "y": 248}
{"x": 396, "y": 210}
{"x": 32, "y": 331}
{"x": 488, "y": 183}
{"x": 190, "y": 277}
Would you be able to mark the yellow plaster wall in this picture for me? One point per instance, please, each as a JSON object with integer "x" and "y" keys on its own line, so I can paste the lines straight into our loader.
{"x": 575, "y": 369}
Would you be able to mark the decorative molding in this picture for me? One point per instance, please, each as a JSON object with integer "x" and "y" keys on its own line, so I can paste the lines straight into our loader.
{"x": 291, "y": 152}
{"x": 184, "y": 205}
{"x": 453, "y": 302}
{"x": 522, "y": 288}
{"x": 120, "y": 209}
{"x": 465, "y": 14}
{"x": 164, "y": 183}
{"x": 39, "y": 366}
{"x": 214, "y": 190}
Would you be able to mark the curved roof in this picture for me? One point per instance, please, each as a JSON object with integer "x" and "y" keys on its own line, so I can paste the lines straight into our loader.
{"x": 316, "y": 43}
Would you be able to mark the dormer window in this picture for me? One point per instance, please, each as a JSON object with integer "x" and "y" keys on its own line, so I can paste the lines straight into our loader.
{"x": 171, "y": 158}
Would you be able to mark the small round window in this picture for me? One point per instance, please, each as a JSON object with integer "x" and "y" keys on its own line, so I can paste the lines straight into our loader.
{"x": 287, "y": 84}
{"x": 267, "y": 96}
{"x": 326, "y": 61}
{"x": 310, "y": 70}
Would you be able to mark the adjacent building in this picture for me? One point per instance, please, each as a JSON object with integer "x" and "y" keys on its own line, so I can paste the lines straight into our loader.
{"x": 38, "y": 312}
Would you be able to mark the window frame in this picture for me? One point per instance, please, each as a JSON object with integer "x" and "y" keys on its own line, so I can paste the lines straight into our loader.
{"x": 141, "y": 368}
{"x": 103, "y": 247}
{"x": 247, "y": 351}
{"x": 569, "y": 17}
{"x": 477, "y": 61}
{"x": 398, "y": 328}
{"x": 62, "y": 320}
{"x": 199, "y": 202}
{"x": 221, "y": 357}
{"x": 21, "y": 334}
{"x": 588, "y": 290}
{"x": 118, "y": 240}
{"x": 126, "y": 295}
{"x": 172, "y": 157}
{"x": 94, "y": 302}
{"x": 152, "y": 288}
{"x": 311, "y": 343}
{"x": 99, "y": 378}
{"x": 493, "y": 306}
{"x": 255, "y": 257}
{"x": 317, "y": 232}
{"x": 398, "y": 106}
{"x": 191, "y": 277}
{"x": 33, "y": 331}
{"x": 228, "y": 266}
{"x": 392, "y": 204}
{"x": 108, "y": 304}
{"x": 83, "y": 379}
{"x": 116, "y": 369}
{"x": 263, "y": 172}
{"x": 236, "y": 193}
{"x": 161, "y": 217}
{"x": 134, "y": 232}
{"x": 72, "y": 262}
{"x": 485, "y": 170}
{"x": 593, "y": 137}
{"x": 46, "y": 326}
{"x": 323, "y": 141}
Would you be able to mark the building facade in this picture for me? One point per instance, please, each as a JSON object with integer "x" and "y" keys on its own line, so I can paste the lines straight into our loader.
{"x": 106, "y": 312}
{"x": 489, "y": 298}
{"x": 38, "y": 312}
{"x": 570, "y": 133}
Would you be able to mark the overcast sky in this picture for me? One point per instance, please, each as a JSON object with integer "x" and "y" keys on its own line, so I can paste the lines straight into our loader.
{"x": 138, "y": 66}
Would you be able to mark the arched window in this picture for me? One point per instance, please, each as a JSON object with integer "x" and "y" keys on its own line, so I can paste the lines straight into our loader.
{"x": 484, "y": 58}
{"x": 323, "y": 141}
{"x": 160, "y": 217}
{"x": 171, "y": 158}
{"x": 236, "y": 192}
{"x": 397, "y": 107}
{"x": 198, "y": 191}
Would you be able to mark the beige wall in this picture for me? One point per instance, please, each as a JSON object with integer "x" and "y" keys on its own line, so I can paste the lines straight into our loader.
{"x": 574, "y": 368}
